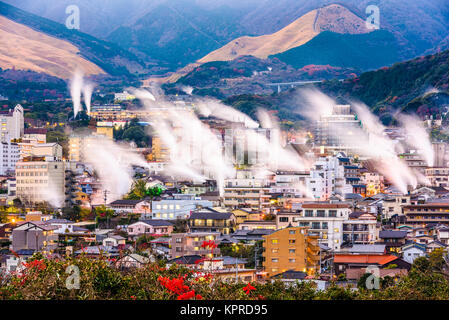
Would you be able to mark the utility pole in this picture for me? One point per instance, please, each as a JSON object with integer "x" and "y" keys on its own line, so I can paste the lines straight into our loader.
{"x": 105, "y": 192}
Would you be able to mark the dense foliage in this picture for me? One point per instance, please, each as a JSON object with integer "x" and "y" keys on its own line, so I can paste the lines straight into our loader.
{"x": 360, "y": 51}
{"x": 100, "y": 279}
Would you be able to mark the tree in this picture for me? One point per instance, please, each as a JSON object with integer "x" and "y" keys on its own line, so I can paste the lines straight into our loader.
{"x": 138, "y": 190}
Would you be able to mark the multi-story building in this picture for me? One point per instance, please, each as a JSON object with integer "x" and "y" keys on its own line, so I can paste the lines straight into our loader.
{"x": 337, "y": 131}
{"x": 326, "y": 220}
{"x": 327, "y": 178}
{"x": 12, "y": 124}
{"x": 9, "y": 155}
{"x": 431, "y": 212}
{"x": 210, "y": 220}
{"x": 247, "y": 191}
{"x": 159, "y": 151}
{"x": 374, "y": 183}
{"x": 438, "y": 176}
{"x": 38, "y": 134}
{"x": 361, "y": 228}
{"x": 40, "y": 179}
{"x": 290, "y": 248}
{"x": 184, "y": 244}
{"x": 178, "y": 206}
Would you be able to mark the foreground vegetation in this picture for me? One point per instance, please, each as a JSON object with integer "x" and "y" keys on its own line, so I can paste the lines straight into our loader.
{"x": 98, "y": 279}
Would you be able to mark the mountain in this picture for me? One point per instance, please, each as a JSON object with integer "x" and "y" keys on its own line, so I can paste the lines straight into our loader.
{"x": 25, "y": 49}
{"x": 406, "y": 86}
{"x": 361, "y": 51}
{"x": 332, "y": 18}
{"x": 248, "y": 74}
{"x": 420, "y": 85}
{"x": 46, "y": 46}
{"x": 178, "y": 32}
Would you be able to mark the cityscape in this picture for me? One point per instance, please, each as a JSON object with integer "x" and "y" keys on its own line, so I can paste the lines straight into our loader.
{"x": 303, "y": 159}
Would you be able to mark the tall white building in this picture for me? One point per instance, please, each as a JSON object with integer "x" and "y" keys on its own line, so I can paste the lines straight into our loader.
{"x": 337, "y": 130}
{"x": 41, "y": 179}
{"x": 327, "y": 178}
{"x": 9, "y": 155}
{"x": 12, "y": 124}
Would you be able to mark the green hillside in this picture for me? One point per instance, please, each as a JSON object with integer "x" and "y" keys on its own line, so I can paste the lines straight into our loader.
{"x": 361, "y": 51}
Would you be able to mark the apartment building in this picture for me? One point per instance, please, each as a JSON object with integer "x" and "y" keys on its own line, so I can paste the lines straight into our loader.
{"x": 422, "y": 214}
{"x": 333, "y": 131}
{"x": 211, "y": 220}
{"x": 247, "y": 191}
{"x": 185, "y": 244}
{"x": 327, "y": 178}
{"x": 178, "y": 206}
{"x": 11, "y": 124}
{"x": 9, "y": 155}
{"x": 40, "y": 179}
{"x": 438, "y": 177}
{"x": 326, "y": 220}
{"x": 290, "y": 248}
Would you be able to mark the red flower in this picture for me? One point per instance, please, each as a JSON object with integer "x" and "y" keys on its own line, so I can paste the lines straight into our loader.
{"x": 248, "y": 288}
{"x": 133, "y": 297}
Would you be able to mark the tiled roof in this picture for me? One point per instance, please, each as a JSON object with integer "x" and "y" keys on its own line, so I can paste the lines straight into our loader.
{"x": 157, "y": 222}
{"x": 395, "y": 234}
{"x": 211, "y": 215}
{"x": 364, "y": 258}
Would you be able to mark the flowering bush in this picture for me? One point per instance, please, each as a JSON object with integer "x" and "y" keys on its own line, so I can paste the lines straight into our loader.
{"x": 42, "y": 278}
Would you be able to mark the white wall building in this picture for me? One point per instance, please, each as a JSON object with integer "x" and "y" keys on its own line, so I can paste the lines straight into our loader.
{"x": 12, "y": 124}
{"x": 326, "y": 220}
{"x": 327, "y": 178}
{"x": 9, "y": 155}
{"x": 177, "y": 207}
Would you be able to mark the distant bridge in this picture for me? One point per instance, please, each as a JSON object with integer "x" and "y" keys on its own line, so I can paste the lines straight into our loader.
{"x": 293, "y": 84}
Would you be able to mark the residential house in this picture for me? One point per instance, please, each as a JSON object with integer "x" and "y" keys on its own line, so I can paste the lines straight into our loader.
{"x": 413, "y": 250}
{"x": 211, "y": 220}
{"x": 186, "y": 244}
{"x": 154, "y": 227}
{"x": 34, "y": 235}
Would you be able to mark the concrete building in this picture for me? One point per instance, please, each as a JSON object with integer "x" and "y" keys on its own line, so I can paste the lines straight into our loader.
{"x": 183, "y": 244}
{"x": 38, "y": 134}
{"x": 178, "y": 206}
{"x": 10, "y": 154}
{"x": 41, "y": 179}
{"x": 247, "y": 191}
{"x": 290, "y": 249}
{"x": 327, "y": 178}
{"x": 12, "y": 124}
{"x": 438, "y": 176}
{"x": 336, "y": 131}
{"x": 326, "y": 220}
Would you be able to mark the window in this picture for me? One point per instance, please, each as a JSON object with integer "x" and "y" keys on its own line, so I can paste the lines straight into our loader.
{"x": 332, "y": 213}
{"x": 292, "y": 232}
{"x": 291, "y": 241}
{"x": 308, "y": 213}
{"x": 274, "y": 250}
{"x": 292, "y": 260}
{"x": 274, "y": 260}
{"x": 283, "y": 219}
{"x": 291, "y": 250}
{"x": 274, "y": 241}
{"x": 320, "y": 213}
{"x": 178, "y": 240}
